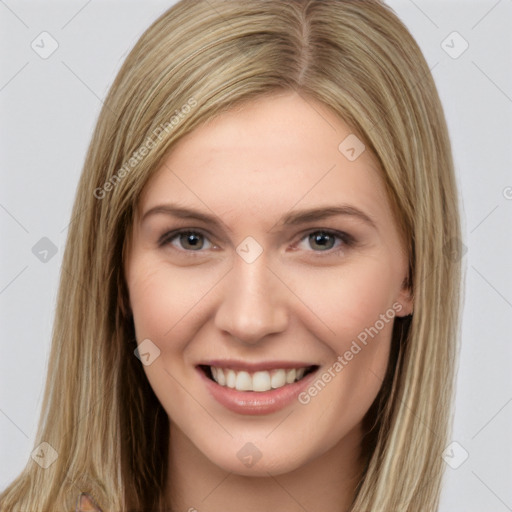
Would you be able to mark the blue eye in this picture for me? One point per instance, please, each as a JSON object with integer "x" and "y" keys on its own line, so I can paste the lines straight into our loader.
{"x": 193, "y": 241}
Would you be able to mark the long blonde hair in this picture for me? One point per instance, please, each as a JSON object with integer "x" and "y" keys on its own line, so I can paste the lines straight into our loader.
{"x": 197, "y": 60}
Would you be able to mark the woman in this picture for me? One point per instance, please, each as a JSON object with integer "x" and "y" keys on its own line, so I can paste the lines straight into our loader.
{"x": 212, "y": 350}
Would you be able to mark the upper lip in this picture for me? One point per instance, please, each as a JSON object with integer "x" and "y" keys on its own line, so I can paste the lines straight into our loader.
{"x": 235, "y": 364}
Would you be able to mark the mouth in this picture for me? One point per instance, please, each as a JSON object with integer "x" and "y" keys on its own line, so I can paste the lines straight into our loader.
{"x": 256, "y": 381}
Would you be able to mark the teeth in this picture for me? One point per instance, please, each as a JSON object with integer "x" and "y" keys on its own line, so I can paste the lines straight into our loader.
{"x": 220, "y": 377}
{"x": 258, "y": 381}
{"x": 243, "y": 382}
{"x": 278, "y": 379}
{"x": 290, "y": 376}
{"x": 230, "y": 378}
{"x": 261, "y": 381}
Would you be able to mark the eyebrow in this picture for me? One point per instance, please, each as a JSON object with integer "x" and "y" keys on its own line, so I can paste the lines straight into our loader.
{"x": 290, "y": 219}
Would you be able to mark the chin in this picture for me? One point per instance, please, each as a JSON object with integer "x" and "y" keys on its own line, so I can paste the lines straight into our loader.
{"x": 271, "y": 464}
{"x": 259, "y": 458}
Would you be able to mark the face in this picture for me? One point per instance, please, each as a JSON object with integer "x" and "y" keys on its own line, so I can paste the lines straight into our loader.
{"x": 266, "y": 329}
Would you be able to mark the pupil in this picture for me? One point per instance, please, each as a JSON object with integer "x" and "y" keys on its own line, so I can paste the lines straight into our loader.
{"x": 192, "y": 239}
{"x": 318, "y": 237}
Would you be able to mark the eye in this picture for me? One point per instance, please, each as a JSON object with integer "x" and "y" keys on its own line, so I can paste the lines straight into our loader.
{"x": 325, "y": 241}
{"x": 321, "y": 240}
{"x": 191, "y": 241}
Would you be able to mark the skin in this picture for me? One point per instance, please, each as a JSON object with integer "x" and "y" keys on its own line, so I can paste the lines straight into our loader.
{"x": 297, "y": 301}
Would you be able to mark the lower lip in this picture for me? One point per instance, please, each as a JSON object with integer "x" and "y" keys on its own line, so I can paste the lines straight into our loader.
{"x": 257, "y": 402}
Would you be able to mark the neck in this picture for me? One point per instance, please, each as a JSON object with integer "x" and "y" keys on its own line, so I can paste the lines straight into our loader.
{"x": 327, "y": 482}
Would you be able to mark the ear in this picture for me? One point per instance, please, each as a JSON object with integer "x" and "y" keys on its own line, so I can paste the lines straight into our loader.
{"x": 405, "y": 298}
{"x": 86, "y": 504}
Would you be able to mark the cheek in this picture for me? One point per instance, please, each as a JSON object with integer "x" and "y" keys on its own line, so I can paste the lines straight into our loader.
{"x": 346, "y": 300}
{"x": 164, "y": 300}
{"x": 353, "y": 317}
{"x": 358, "y": 310}
{"x": 149, "y": 297}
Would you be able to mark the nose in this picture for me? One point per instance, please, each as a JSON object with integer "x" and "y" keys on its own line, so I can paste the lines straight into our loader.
{"x": 253, "y": 302}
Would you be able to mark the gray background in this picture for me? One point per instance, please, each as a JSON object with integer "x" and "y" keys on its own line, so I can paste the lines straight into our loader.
{"x": 48, "y": 111}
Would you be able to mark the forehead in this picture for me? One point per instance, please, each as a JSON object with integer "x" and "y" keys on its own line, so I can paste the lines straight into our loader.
{"x": 262, "y": 159}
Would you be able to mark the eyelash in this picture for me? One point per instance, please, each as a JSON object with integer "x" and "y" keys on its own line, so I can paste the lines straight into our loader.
{"x": 346, "y": 239}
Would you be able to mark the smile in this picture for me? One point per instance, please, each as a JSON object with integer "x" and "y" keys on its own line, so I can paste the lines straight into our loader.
{"x": 258, "y": 381}
{"x": 256, "y": 388}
